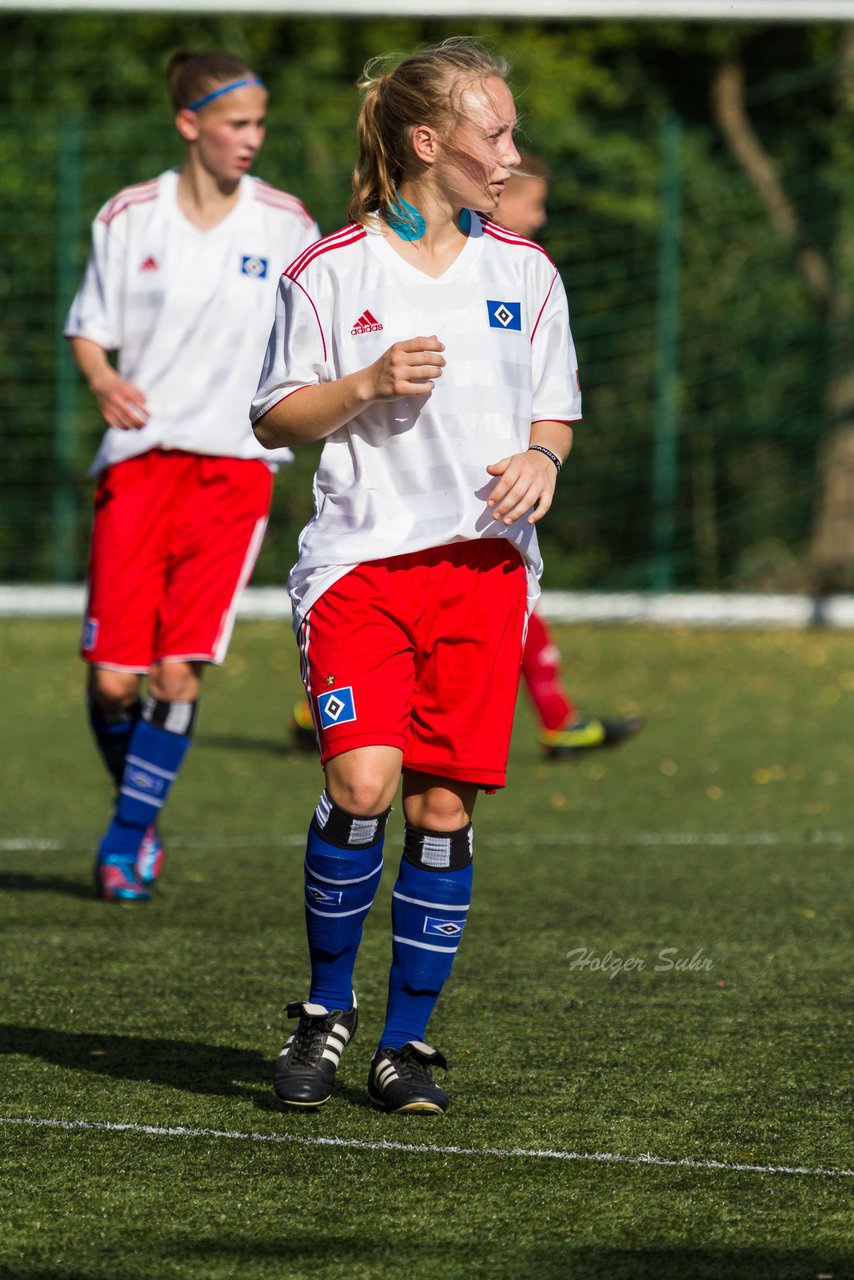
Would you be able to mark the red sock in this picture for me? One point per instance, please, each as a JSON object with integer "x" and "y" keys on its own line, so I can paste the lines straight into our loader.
{"x": 541, "y": 672}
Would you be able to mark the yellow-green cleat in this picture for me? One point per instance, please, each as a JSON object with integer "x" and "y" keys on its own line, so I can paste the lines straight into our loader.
{"x": 588, "y": 735}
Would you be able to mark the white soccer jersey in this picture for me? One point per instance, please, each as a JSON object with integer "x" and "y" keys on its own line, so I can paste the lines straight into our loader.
{"x": 409, "y": 474}
{"x": 189, "y": 312}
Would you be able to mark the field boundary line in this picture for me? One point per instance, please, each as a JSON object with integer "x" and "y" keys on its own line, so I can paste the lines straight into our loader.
{"x": 420, "y": 1148}
{"x": 651, "y": 839}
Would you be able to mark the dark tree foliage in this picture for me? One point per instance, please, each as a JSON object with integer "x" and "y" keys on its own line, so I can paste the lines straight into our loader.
{"x": 84, "y": 112}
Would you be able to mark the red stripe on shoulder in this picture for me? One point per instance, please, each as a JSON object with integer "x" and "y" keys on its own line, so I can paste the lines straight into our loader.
{"x": 498, "y": 232}
{"x": 279, "y": 199}
{"x": 346, "y": 235}
{"x": 139, "y": 194}
{"x": 338, "y": 240}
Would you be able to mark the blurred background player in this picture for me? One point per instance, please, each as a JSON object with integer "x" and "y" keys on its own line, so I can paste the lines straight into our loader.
{"x": 181, "y": 282}
{"x": 563, "y": 731}
{"x": 430, "y": 349}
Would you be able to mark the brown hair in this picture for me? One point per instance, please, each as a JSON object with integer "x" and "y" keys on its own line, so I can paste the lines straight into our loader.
{"x": 192, "y": 73}
{"x": 426, "y": 86}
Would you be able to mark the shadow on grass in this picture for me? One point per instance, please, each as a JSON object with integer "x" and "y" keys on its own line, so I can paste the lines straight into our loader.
{"x": 26, "y": 882}
{"x": 358, "y": 1257}
{"x": 189, "y": 1065}
{"x": 365, "y": 1254}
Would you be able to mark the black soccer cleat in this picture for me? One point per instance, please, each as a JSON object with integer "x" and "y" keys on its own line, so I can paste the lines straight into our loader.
{"x": 400, "y": 1080}
{"x": 304, "y": 1072}
{"x": 586, "y": 735}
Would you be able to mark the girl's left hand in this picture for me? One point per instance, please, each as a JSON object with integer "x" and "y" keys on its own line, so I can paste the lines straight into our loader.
{"x": 526, "y": 483}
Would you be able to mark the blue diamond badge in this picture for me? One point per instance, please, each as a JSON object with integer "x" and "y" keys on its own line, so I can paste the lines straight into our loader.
{"x": 336, "y": 707}
{"x": 443, "y": 928}
{"x": 252, "y": 265}
{"x": 504, "y": 315}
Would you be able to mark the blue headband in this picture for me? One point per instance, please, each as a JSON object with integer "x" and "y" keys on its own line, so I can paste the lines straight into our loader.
{"x": 226, "y": 88}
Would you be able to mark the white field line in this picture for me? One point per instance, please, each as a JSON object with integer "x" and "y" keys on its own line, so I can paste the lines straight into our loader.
{"x": 663, "y": 839}
{"x": 421, "y": 1148}
{"x": 601, "y": 1157}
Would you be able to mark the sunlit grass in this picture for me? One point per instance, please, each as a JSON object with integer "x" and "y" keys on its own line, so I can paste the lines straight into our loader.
{"x": 657, "y": 961}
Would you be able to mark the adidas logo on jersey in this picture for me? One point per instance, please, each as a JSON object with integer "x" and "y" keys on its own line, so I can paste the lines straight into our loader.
{"x": 366, "y": 324}
{"x": 148, "y": 264}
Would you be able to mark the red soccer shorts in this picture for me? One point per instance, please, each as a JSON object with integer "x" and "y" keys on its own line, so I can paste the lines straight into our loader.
{"x": 421, "y": 652}
{"x": 174, "y": 540}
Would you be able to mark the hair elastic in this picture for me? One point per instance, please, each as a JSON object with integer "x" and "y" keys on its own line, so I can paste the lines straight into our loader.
{"x": 405, "y": 220}
{"x": 226, "y": 88}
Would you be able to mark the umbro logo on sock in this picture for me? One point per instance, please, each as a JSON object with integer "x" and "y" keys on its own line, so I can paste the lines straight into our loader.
{"x": 366, "y": 324}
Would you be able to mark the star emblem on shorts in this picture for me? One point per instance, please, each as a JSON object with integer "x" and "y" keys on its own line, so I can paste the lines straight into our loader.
{"x": 330, "y": 680}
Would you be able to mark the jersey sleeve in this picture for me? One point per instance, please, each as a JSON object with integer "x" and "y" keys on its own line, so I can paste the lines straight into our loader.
{"x": 96, "y": 312}
{"x": 297, "y": 352}
{"x": 557, "y": 391}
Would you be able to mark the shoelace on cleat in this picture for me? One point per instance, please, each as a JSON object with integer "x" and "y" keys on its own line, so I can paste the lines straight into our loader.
{"x": 413, "y": 1068}
{"x": 306, "y": 1049}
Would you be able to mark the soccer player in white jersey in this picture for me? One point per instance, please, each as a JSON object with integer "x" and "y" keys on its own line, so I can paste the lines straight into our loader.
{"x": 181, "y": 282}
{"x": 431, "y": 350}
{"x": 564, "y": 733}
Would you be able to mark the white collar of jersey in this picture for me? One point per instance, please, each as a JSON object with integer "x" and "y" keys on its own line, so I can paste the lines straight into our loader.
{"x": 380, "y": 245}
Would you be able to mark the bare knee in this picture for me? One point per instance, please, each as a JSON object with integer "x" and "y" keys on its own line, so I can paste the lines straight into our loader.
{"x": 175, "y": 681}
{"x": 113, "y": 692}
{"x": 442, "y": 806}
{"x": 363, "y": 782}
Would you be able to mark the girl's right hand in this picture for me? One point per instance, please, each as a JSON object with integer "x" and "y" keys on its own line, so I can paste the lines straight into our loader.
{"x": 407, "y": 369}
{"x": 122, "y": 405}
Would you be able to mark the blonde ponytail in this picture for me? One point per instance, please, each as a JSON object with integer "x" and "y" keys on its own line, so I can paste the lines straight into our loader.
{"x": 426, "y": 87}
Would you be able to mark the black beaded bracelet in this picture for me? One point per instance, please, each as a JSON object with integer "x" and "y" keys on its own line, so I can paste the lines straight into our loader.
{"x": 541, "y": 448}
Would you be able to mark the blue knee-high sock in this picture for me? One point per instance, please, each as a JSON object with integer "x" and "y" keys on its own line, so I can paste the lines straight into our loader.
{"x": 157, "y": 747}
{"x": 343, "y": 862}
{"x": 428, "y": 914}
{"x": 113, "y": 735}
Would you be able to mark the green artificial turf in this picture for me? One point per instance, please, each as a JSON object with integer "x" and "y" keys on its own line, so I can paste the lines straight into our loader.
{"x": 721, "y": 837}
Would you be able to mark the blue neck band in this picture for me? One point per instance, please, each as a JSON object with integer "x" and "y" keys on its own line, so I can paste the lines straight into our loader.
{"x": 405, "y": 220}
{"x": 226, "y": 88}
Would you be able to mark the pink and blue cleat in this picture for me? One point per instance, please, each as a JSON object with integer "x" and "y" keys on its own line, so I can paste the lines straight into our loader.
{"x": 116, "y": 881}
{"x": 149, "y": 860}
